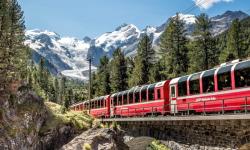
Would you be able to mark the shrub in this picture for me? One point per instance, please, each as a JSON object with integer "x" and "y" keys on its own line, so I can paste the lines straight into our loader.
{"x": 86, "y": 146}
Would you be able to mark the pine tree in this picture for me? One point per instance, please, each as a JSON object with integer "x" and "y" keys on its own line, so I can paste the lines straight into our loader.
{"x": 94, "y": 84}
{"x": 13, "y": 54}
{"x": 143, "y": 62}
{"x": 20, "y": 53}
{"x": 173, "y": 47}
{"x": 130, "y": 66}
{"x": 156, "y": 73}
{"x": 70, "y": 97}
{"x": 203, "y": 53}
{"x": 62, "y": 90}
{"x": 118, "y": 75}
{"x": 56, "y": 87}
{"x": 235, "y": 43}
{"x": 103, "y": 77}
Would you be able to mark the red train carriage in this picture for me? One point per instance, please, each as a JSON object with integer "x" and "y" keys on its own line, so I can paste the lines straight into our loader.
{"x": 226, "y": 88}
{"x": 142, "y": 100}
{"x": 99, "y": 107}
{"x": 77, "y": 107}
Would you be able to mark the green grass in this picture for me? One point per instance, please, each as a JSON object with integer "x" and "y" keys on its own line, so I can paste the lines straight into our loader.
{"x": 57, "y": 117}
{"x": 157, "y": 145}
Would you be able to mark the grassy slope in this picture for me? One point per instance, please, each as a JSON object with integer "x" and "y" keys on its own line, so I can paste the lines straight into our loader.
{"x": 57, "y": 117}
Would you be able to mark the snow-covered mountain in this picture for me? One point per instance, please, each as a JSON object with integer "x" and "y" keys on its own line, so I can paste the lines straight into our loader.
{"x": 68, "y": 56}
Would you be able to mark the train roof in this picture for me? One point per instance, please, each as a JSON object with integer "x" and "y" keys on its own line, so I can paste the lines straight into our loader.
{"x": 222, "y": 68}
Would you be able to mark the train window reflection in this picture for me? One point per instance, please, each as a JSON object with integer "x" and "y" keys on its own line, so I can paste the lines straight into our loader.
{"x": 182, "y": 86}
{"x": 119, "y": 99}
{"x": 173, "y": 91}
{"x": 137, "y": 97}
{"x": 224, "y": 78}
{"x": 144, "y": 95}
{"x": 194, "y": 84}
{"x": 115, "y": 100}
{"x": 125, "y": 98}
{"x": 242, "y": 74}
{"x": 130, "y": 97}
{"x": 208, "y": 81}
{"x": 151, "y": 92}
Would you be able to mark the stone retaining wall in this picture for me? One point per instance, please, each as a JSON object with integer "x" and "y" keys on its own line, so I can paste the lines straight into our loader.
{"x": 224, "y": 133}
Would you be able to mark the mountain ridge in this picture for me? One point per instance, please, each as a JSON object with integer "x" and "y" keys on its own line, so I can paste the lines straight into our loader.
{"x": 67, "y": 56}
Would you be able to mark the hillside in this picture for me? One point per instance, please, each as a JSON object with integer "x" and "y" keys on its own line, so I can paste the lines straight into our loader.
{"x": 27, "y": 122}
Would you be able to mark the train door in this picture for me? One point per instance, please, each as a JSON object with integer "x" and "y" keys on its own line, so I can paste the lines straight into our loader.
{"x": 173, "y": 103}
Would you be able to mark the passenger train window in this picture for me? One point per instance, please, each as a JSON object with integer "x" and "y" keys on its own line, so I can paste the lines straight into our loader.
{"x": 182, "y": 86}
{"x": 242, "y": 74}
{"x": 208, "y": 81}
{"x": 125, "y": 98}
{"x": 137, "y": 97}
{"x": 115, "y": 100}
{"x": 130, "y": 97}
{"x": 96, "y": 104}
{"x": 224, "y": 78}
{"x": 151, "y": 92}
{"x": 194, "y": 84}
{"x": 144, "y": 95}
{"x": 173, "y": 91}
{"x": 119, "y": 99}
{"x": 101, "y": 103}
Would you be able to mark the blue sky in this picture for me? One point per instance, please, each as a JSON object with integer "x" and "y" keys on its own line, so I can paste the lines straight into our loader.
{"x": 92, "y": 18}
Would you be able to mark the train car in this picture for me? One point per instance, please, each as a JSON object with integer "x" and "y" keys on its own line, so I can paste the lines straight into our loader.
{"x": 77, "y": 107}
{"x": 141, "y": 100}
{"x": 226, "y": 88}
{"x": 99, "y": 107}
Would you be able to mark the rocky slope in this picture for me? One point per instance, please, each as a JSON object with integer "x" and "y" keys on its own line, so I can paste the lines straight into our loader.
{"x": 97, "y": 139}
{"x": 27, "y": 123}
{"x": 68, "y": 56}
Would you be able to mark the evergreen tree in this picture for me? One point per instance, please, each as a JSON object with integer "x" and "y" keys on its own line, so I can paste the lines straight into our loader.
{"x": 130, "y": 66}
{"x": 13, "y": 54}
{"x": 235, "y": 43}
{"x": 118, "y": 75}
{"x": 94, "y": 84}
{"x": 103, "y": 77}
{"x": 19, "y": 52}
{"x": 62, "y": 90}
{"x": 70, "y": 98}
{"x": 203, "y": 53}
{"x": 173, "y": 47}
{"x": 143, "y": 62}
{"x": 156, "y": 73}
{"x": 56, "y": 87}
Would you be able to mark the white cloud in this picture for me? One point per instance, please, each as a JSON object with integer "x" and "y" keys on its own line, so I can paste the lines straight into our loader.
{"x": 205, "y": 4}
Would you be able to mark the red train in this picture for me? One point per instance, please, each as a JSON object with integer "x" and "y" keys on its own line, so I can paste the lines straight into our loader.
{"x": 222, "y": 89}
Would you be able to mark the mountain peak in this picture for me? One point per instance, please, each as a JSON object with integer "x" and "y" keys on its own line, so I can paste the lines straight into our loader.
{"x": 86, "y": 39}
{"x": 229, "y": 12}
{"x": 125, "y": 26}
{"x": 69, "y": 54}
{"x": 187, "y": 18}
{"x": 231, "y": 15}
